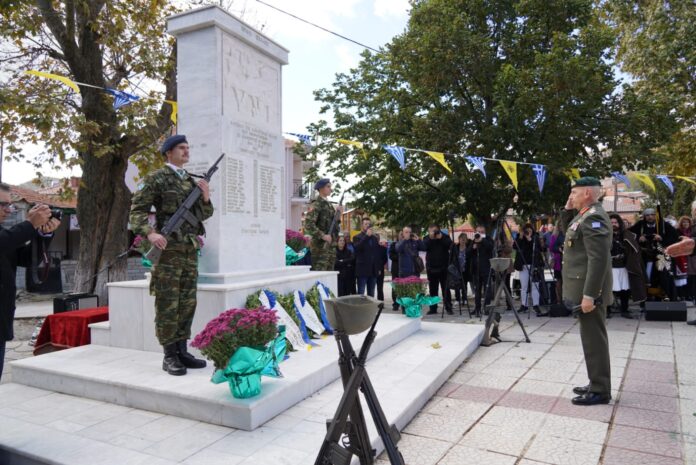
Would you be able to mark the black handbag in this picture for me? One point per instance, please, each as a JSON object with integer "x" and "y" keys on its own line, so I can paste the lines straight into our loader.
{"x": 454, "y": 277}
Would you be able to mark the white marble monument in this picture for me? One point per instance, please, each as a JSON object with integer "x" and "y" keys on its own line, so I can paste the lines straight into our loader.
{"x": 229, "y": 97}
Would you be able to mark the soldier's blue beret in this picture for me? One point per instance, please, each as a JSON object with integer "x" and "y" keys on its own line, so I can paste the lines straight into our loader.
{"x": 587, "y": 181}
{"x": 321, "y": 183}
{"x": 171, "y": 142}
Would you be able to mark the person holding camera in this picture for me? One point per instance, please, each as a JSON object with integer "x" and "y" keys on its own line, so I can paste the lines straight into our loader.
{"x": 15, "y": 250}
{"x": 437, "y": 248}
{"x": 530, "y": 264}
{"x": 407, "y": 249}
{"x": 481, "y": 251}
{"x": 368, "y": 258}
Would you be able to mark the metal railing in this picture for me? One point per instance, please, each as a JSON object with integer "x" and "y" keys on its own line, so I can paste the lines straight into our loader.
{"x": 300, "y": 189}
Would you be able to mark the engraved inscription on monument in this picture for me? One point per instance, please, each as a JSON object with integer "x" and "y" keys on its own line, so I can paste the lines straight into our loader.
{"x": 269, "y": 189}
{"x": 235, "y": 195}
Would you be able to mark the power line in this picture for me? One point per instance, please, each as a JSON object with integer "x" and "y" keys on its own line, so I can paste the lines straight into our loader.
{"x": 319, "y": 27}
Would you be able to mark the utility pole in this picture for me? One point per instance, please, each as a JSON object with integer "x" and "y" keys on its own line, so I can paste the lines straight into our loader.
{"x": 616, "y": 192}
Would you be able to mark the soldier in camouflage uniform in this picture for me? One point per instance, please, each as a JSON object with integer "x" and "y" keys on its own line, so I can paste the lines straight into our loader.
{"x": 175, "y": 276}
{"x": 317, "y": 224}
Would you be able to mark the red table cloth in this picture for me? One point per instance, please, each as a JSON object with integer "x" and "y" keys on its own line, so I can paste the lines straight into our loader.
{"x": 68, "y": 329}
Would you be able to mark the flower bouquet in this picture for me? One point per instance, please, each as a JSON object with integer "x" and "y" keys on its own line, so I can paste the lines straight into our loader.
{"x": 295, "y": 246}
{"x": 243, "y": 344}
{"x": 410, "y": 294}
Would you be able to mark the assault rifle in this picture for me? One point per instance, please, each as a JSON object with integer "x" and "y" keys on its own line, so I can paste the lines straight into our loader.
{"x": 335, "y": 218}
{"x": 183, "y": 213}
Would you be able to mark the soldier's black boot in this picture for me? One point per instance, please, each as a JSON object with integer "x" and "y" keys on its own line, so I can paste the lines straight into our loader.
{"x": 187, "y": 359}
{"x": 171, "y": 363}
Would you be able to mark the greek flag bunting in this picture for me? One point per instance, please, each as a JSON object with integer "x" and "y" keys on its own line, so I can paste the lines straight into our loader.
{"x": 398, "y": 154}
{"x": 540, "y": 173}
{"x": 478, "y": 163}
{"x": 121, "y": 98}
{"x": 666, "y": 181}
{"x": 304, "y": 138}
{"x": 621, "y": 178}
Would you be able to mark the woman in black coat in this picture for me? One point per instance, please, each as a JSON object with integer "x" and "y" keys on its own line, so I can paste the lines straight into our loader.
{"x": 345, "y": 265}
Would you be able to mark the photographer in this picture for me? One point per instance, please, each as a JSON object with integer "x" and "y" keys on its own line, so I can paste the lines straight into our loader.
{"x": 368, "y": 258}
{"x": 15, "y": 250}
{"x": 529, "y": 263}
{"x": 437, "y": 247}
{"x": 479, "y": 258}
{"x": 407, "y": 249}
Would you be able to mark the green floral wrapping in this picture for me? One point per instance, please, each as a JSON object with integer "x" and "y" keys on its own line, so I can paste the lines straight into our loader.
{"x": 291, "y": 256}
{"x": 412, "y": 306}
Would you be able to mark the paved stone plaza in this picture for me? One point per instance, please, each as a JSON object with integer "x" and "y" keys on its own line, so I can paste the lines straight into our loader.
{"x": 507, "y": 404}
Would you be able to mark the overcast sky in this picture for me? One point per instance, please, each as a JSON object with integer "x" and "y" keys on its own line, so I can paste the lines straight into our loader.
{"x": 315, "y": 56}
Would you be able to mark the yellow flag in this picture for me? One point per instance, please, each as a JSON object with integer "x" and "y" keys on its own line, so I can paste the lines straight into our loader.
{"x": 510, "y": 168}
{"x": 354, "y": 143}
{"x": 645, "y": 179}
{"x": 55, "y": 77}
{"x": 440, "y": 158}
{"x": 575, "y": 173}
{"x": 683, "y": 178}
{"x": 175, "y": 110}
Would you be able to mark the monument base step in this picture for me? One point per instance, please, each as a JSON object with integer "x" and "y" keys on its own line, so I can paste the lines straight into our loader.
{"x": 134, "y": 378}
{"x": 60, "y": 429}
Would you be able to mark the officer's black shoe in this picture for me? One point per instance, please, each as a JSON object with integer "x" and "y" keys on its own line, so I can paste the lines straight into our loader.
{"x": 627, "y": 315}
{"x": 171, "y": 363}
{"x": 581, "y": 390}
{"x": 692, "y": 322}
{"x": 188, "y": 360}
{"x": 538, "y": 311}
{"x": 523, "y": 309}
{"x": 591, "y": 398}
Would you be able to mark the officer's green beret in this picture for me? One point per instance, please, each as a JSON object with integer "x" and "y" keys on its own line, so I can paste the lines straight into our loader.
{"x": 587, "y": 181}
{"x": 321, "y": 183}
{"x": 171, "y": 142}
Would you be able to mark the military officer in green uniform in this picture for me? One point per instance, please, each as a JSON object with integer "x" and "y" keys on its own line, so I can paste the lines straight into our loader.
{"x": 587, "y": 279}
{"x": 175, "y": 276}
{"x": 317, "y": 224}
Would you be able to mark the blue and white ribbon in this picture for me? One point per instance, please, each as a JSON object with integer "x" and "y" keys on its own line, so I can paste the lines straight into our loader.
{"x": 309, "y": 315}
{"x": 303, "y": 327}
{"x": 324, "y": 293}
{"x": 666, "y": 181}
{"x": 292, "y": 332}
{"x": 478, "y": 163}
{"x": 398, "y": 153}
{"x": 621, "y": 178}
{"x": 121, "y": 98}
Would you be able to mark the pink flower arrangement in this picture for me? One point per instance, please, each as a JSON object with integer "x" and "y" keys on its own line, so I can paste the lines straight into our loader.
{"x": 410, "y": 286}
{"x": 295, "y": 240}
{"x": 235, "y": 328}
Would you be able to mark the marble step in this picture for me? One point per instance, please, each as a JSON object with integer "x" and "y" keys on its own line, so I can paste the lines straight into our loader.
{"x": 68, "y": 430}
{"x": 134, "y": 378}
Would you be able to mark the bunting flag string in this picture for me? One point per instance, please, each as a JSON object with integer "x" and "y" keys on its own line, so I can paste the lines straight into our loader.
{"x": 398, "y": 154}
{"x": 540, "y": 173}
{"x": 175, "y": 110}
{"x": 667, "y": 182}
{"x": 684, "y": 178}
{"x": 440, "y": 158}
{"x": 121, "y": 98}
{"x": 304, "y": 138}
{"x": 621, "y": 178}
{"x": 510, "y": 168}
{"x": 645, "y": 179}
{"x": 56, "y": 77}
{"x": 478, "y": 163}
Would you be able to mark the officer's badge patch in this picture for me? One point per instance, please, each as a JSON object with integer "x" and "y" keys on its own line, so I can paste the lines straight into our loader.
{"x": 596, "y": 225}
{"x": 574, "y": 226}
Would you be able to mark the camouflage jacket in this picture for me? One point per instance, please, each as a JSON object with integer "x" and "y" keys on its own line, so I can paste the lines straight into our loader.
{"x": 318, "y": 220}
{"x": 165, "y": 190}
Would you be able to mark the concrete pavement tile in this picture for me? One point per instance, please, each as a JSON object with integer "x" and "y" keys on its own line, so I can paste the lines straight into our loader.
{"x": 65, "y": 426}
{"x": 477, "y": 394}
{"x": 189, "y": 441}
{"x": 656, "y": 376}
{"x": 438, "y": 427}
{"x": 648, "y": 419}
{"x": 458, "y": 408}
{"x": 615, "y": 456}
{"x": 643, "y": 440}
{"x": 461, "y": 377}
{"x": 163, "y": 427}
{"x": 649, "y": 402}
{"x": 448, "y": 388}
{"x": 492, "y": 381}
{"x": 460, "y": 455}
{"x": 505, "y": 370}
{"x": 552, "y": 375}
{"x": 595, "y": 412}
{"x": 212, "y": 457}
{"x": 527, "y": 401}
{"x": 417, "y": 450}
{"x": 278, "y": 456}
{"x": 647, "y": 387}
{"x": 651, "y": 364}
{"x": 687, "y": 392}
{"x": 574, "y": 428}
{"x": 560, "y": 451}
{"x": 128, "y": 441}
{"x": 519, "y": 419}
{"x": 502, "y": 439}
{"x": 544, "y": 388}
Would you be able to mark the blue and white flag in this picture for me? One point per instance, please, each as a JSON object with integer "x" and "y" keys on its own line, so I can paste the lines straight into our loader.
{"x": 292, "y": 331}
{"x": 304, "y": 138}
{"x": 667, "y": 182}
{"x": 621, "y": 178}
{"x": 303, "y": 324}
{"x": 324, "y": 293}
{"x": 121, "y": 98}
{"x": 398, "y": 153}
{"x": 309, "y": 315}
{"x": 540, "y": 173}
{"x": 478, "y": 163}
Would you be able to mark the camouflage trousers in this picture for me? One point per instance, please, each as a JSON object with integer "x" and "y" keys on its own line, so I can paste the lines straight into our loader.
{"x": 173, "y": 284}
{"x": 323, "y": 256}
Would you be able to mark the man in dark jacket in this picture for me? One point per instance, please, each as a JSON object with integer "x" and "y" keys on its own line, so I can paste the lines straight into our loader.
{"x": 408, "y": 247}
{"x": 479, "y": 259}
{"x": 15, "y": 252}
{"x": 437, "y": 248}
{"x": 394, "y": 257}
{"x": 383, "y": 260}
{"x": 653, "y": 236}
{"x": 626, "y": 266}
{"x": 368, "y": 258}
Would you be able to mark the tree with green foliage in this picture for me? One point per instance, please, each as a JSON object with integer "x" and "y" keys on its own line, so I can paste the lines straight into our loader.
{"x": 528, "y": 81}
{"x": 118, "y": 44}
{"x": 657, "y": 47}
